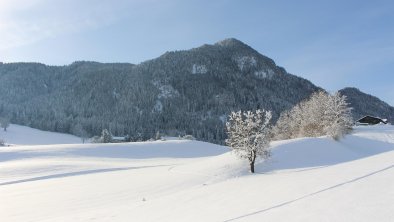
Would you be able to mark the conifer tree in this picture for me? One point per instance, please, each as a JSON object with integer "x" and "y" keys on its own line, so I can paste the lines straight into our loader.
{"x": 106, "y": 136}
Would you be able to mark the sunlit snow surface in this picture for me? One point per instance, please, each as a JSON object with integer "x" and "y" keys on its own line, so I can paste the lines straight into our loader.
{"x": 308, "y": 179}
{"x": 23, "y": 135}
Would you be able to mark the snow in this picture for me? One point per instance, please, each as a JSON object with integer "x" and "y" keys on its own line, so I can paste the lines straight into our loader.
{"x": 165, "y": 91}
{"x": 199, "y": 69}
{"x": 264, "y": 73}
{"x": 115, "y": 94}
{"x": 306, "y": 179}
{"x": 158, "y": 107}
{"x": 261, "y": 74}
{"x": 245, "y": 62}
{"x": 23, "y": 135}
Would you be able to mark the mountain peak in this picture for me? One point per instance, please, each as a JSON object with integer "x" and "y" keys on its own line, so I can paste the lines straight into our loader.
{"x": 230, "y": 42}
{"x": 351, "y": 89}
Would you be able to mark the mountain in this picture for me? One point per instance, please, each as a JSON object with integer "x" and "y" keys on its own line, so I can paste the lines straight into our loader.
{"x": 365, "y": 104}
{"x": 181, "y": 92}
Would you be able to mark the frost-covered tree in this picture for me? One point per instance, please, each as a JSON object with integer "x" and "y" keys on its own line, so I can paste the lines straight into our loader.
{"x": 288, "y": 124}
{"x": 322, "y": 114}
{"x": 313, "y": 119}
{"x": 338, "y": 114}
{"x": 4, "y": 123}
{"x": 106, "y": 136}
{"x": 249, "y": 134}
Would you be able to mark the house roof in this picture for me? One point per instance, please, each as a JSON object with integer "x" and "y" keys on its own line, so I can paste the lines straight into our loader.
{"x": 371, "y": 119}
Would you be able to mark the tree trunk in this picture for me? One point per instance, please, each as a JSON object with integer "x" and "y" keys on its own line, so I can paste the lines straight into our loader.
{"x": 252, "y": 160}
{"x": 252, "y": 167}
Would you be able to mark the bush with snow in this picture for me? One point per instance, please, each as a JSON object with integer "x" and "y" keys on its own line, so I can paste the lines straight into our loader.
{"x": 95, "y": 139}
{"x": 2, "y": 142}
{"x": 188, "y": 137}
{"x": 106, "y": 137}
{"x": 249, "y": 134}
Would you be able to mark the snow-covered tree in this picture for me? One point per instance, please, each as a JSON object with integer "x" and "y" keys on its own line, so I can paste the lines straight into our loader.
{"x": 249, "y": 134}
{"x": 322, "y": 114}
{"x": 338, "y": 113}
{"x": 106, "y": 136}
{"x": 288, "y": 124}
{"x": 312, "y": 115}
{"x": 4, "y": 123}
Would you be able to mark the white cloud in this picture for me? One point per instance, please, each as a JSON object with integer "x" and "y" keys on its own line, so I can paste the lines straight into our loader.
{"x": 24, "y": 22}
{"x": 14, "y": 5}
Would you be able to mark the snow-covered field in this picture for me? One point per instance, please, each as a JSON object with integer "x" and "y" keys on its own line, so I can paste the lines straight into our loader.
{"x": 309, "y": 179}
{"x": 23, "y": 135}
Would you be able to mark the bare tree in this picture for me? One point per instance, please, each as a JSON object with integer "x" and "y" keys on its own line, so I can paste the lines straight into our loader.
{"x": 249, "y": 134}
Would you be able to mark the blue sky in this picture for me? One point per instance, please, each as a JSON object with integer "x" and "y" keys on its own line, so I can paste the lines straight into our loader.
{"x": 332, "y": 43}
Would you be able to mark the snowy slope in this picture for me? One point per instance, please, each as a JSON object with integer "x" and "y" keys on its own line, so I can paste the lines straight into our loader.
{"x": 23, "y": 135}
{"x": 309, "y": 179}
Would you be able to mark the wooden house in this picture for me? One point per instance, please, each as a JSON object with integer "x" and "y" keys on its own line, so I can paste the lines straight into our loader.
{"x": 370, "y": 120}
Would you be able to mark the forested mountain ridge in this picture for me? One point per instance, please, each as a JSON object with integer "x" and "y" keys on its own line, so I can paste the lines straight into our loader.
{"x": 181, "y": 92}
{"x": 364, "y": 104}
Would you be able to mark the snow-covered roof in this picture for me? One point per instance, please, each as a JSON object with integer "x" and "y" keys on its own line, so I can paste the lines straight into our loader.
{"x": 365, "y": 118}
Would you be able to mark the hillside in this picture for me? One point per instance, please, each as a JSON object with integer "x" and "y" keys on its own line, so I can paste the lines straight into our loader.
{"x": 306, "y": 179}
{"x": 364, "y": 104}
{"x": 182, "y": 92}
{"x": 23, "y": 135}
